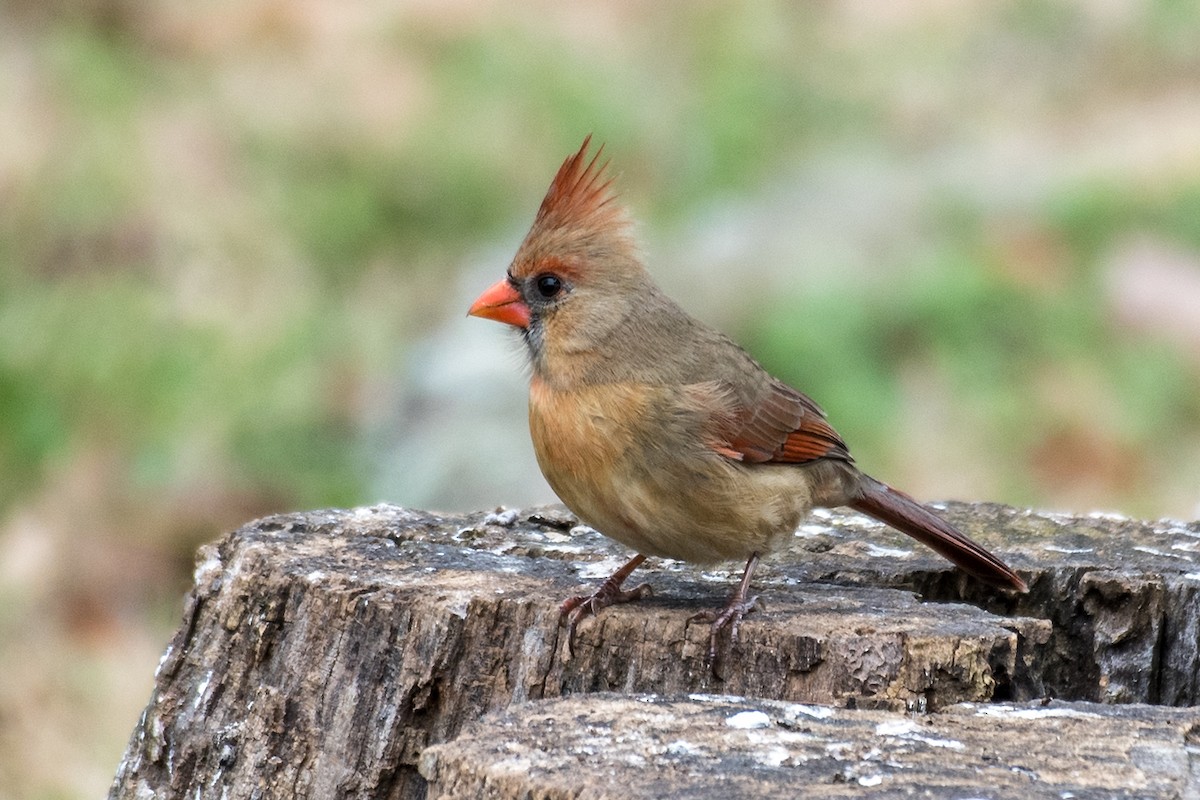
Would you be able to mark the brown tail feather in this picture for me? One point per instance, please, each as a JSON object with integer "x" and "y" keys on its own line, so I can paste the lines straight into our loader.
{"x": 908, "y": 516}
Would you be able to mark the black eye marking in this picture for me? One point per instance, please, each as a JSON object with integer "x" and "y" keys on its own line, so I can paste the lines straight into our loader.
{"x": 548, "y": 285}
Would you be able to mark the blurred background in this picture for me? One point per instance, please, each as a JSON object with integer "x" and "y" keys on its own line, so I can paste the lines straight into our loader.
{"x": 238, "y": 239}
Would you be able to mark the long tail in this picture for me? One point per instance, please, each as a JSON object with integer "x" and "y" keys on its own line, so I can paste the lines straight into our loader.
{"x": 905, "y": 514}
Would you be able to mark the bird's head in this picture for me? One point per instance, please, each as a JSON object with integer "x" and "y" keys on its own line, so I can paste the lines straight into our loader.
{"x": 577, "y": 272}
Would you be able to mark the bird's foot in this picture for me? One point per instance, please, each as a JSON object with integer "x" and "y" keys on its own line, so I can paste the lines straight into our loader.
{"x": 728, "y": 617}
{"x": 576, "y": 609}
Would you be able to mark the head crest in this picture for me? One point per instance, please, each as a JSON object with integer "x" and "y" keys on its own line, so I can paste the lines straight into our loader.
{"x": 580, "y": 194}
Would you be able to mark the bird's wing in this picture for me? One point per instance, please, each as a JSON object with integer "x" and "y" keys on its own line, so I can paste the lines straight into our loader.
{"x": 780, "y": 426}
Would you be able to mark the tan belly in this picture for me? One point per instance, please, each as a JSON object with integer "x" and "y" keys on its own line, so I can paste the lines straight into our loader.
{"x": 623, "y": 481}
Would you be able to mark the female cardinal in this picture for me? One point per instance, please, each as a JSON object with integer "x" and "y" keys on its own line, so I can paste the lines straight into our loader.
{"x": 662, "y": 433}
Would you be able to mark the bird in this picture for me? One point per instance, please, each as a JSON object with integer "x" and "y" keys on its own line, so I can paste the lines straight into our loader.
{"x": 660, "y": 432}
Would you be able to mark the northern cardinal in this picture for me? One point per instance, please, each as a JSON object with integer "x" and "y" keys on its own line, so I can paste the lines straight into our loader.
{"x": 660, "y": 432}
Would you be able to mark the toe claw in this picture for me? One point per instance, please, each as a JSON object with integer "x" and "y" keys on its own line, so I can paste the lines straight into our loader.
{"x": 641, "y": 591}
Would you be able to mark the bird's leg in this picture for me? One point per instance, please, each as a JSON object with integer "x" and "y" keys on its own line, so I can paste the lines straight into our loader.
{"x": 575, "y": 609}
{"x": 731, "y": 615}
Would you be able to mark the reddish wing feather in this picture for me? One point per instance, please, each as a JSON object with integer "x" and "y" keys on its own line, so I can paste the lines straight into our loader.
{"x": 785, "y": 427}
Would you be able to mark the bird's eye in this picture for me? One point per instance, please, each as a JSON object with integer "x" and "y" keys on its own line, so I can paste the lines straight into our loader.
{"x": 548, "y": 285}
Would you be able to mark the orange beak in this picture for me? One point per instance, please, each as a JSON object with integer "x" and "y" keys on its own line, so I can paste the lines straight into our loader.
{"x": 501, "y": 303}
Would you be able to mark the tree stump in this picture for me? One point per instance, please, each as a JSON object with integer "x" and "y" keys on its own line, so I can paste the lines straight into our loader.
{"x": 320, "y": 654}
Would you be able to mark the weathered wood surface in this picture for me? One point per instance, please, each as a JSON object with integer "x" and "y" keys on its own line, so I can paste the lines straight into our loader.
{"x": 321, "y": 653}
{"x": 610, "y": 747}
